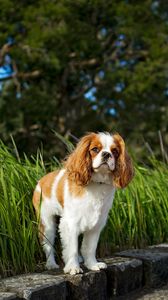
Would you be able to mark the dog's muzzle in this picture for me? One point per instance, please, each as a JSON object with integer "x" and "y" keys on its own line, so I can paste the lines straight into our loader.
{"x": 106, "y": 155}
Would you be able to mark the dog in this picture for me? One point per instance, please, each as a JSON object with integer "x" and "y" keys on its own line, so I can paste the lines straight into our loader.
{"x": 81, "y": 193}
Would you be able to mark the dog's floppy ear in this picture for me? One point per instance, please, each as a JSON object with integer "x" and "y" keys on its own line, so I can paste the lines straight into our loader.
{"x": 79, "y": 164}
{"x": 124, "y": 170}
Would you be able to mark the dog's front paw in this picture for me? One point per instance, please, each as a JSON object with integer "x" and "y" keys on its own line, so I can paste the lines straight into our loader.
{"x": 97, "y": 266}
{"x": 73, "y": 269}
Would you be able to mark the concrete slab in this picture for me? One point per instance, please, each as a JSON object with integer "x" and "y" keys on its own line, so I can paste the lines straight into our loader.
{"x": 159, "y": 247}
{"x": 36, "y": 286}
{"x": 87, "y": 286}
{"x": 8, "y": 296}
{"x": 148, "y": 294}
{"x": 155, "y": 265}
{"x": 123, "y": 275}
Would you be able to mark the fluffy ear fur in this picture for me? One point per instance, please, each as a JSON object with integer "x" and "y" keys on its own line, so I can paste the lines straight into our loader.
{"x": 78, "y": 164}
{"x": 124, "y": 171}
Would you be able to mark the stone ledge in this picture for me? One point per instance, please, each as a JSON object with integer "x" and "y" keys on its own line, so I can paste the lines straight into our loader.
{"x": 90, "y": 285}
{"x": 123, "y": 275}
{"x": 35, "y": 286}
{"x": 8, "y": 296}
{"x": 159, "y": 248}
{"x": 87, "y": 286}
{"x": 155, "y": 265}
{"x": 127, "y": 272}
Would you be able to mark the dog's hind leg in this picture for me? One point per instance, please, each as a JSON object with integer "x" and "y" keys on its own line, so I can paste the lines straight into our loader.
{"x": 47, "y": 238}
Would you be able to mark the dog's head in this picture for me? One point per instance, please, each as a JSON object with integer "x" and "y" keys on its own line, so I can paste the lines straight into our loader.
{"x": 100, "y": 153}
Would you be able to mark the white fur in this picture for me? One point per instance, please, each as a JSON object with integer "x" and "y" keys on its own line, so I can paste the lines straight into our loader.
{"x": 86, "y": 214}
{"x": 106, "y": 140}
{"x": 38, "y": 188}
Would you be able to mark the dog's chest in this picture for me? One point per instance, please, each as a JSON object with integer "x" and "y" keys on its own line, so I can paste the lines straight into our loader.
{"x": 93, "y": 208}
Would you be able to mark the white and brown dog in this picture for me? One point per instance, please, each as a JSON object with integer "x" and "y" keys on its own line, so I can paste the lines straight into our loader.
{"x": 82, "y": 194}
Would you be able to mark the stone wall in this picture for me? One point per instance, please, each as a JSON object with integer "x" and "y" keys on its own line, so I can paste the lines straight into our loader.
{"x": 127, "y": 271}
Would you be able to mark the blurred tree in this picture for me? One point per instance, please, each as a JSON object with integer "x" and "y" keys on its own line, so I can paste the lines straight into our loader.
{"x": 103, "y": 66}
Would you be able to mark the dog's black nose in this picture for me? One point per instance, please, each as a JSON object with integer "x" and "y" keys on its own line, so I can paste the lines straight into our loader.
{"x": 106, "y": 155}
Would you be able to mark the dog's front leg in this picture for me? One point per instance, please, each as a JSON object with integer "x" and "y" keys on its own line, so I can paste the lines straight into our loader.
{"x": 88, "y": 250}
{"x": 69, "y": 238}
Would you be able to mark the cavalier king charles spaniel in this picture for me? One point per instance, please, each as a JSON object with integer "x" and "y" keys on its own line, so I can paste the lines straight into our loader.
{"x": 81, "y": 193}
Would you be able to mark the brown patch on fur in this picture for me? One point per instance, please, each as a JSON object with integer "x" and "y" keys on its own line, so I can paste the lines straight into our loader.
{"x": 46, "y": 183}
{"x": 124, "y": 171}
{"x": 95, "y": 143}
{"x": 60, "y": 190}
{"x": 76, "y": 190}
{"x": 79, "y": 162}
{"x": 36, "y": 201}
{"x": 115, "y": 146}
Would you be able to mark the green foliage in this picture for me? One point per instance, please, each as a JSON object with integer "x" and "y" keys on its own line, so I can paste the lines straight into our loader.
{"x": 76, "y": 46}
{"x": 138, "y": 218}
{"x": 19, "y": 246}
{"x": 139, "y": 215}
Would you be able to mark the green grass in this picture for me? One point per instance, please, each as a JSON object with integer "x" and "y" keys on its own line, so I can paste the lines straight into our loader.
{"x": 19, "y": 247}
{"x": 139, "y": 216}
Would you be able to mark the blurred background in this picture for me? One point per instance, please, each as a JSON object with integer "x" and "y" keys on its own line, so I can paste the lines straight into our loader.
{"x": 76, "y": 66}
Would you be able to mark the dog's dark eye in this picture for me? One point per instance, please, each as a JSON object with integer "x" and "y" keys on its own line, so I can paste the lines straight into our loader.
{"x": 95, "y": 149}
{"x": 115, "y": 153}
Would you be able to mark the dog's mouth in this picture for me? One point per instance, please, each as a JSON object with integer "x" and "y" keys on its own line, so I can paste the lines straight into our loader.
{"x": 104, "y": 166}
{"x": 104, "y": 163}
